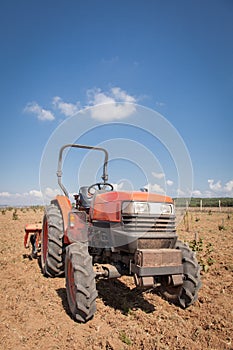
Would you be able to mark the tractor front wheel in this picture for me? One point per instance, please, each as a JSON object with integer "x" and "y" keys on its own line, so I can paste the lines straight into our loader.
{"x": 80, "y": 282}
{"x": 52, "y": 247}
{"x": 185, "y": 294}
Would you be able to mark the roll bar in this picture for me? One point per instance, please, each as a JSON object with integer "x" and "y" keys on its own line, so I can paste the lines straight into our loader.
{"x": 59, "y": 168}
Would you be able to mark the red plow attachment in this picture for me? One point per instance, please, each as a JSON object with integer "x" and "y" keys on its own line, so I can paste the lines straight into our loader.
{"x": 32, "y": 238}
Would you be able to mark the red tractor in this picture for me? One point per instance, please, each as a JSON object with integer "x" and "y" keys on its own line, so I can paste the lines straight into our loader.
{"x": 113, "y": 233}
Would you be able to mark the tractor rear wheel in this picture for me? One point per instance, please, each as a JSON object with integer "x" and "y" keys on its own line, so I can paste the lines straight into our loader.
{"x": 80, "y": 282}
{"x": 52, "y": 247}
{"x": 185, "y": 294}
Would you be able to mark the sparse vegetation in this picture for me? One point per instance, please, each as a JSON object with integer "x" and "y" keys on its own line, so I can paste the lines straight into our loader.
{"x": 15, "y": 215}
{"x": 124, "y": 338}
{"x": 222, "y": 227}
{"x": 204, "y": 252}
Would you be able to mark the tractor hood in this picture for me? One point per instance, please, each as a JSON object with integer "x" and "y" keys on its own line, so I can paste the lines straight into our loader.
{"x": 106, "y": 206}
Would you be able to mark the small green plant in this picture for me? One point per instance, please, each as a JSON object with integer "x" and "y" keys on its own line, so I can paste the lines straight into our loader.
{"x": 222, "y": 227}
{"x": 15, "y": 215}
{"x": 196, "y": 245}
{"x": 3, "y": 211}
{"x": 204, "y": 253}
{"x": 124, "y": 338}
{"x": 210, "y": 212}
{"x": 197, "y": 219}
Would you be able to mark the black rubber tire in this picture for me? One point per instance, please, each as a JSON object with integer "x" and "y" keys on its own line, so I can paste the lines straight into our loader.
{"x": 52, "y": 247}
{"x": 186, "y": 294}
{"x": 80, "y": 282}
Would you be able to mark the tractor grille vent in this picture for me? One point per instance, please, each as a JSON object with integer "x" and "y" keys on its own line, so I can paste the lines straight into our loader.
{"x": 159, "y": 224}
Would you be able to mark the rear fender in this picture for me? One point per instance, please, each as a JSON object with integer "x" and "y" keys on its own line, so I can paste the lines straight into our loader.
{"x": 65, "y": 207}
{"x": 77, "y": 230}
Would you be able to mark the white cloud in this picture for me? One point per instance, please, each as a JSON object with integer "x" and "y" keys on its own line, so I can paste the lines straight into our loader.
{"x": 96, "y": 97}
{"x": 121, "y": 95}
{"x": 35, "y": 193}
{"x": 41, "y": 113}
{"x": 229, "y": 186}
{"x": 28, "y": 198}
{"x": 216, "y": 189}
{"x": 113, "y": 105}
{"x": 4, "y": 194}
{"x": 158, "y": 175}
{"x": 169, "y": 182}
{"x": 181, "y": 193}
{"x": 207, "y": 194}
{"x": 68, "y": 109}
{"x": 50, "y": 193}
{"x": 215, "y": 186}
{"x": 196, "y": 193}
{"x": 154, "y": 188}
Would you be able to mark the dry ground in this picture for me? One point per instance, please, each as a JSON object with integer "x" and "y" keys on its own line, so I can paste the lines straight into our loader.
{"x": 34, "y": 311}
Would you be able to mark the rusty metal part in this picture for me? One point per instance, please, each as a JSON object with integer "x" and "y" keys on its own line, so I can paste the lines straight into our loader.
{"x": 176, "y": 280}
{"x": 106, "y": 271}
{"x": 157, "y": 262}
{"x": 144, "y": 281}
{"x": 158, "y": 257}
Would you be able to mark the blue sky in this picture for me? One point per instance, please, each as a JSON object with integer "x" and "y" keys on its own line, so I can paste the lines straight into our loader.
{"x": 58, "y": 57}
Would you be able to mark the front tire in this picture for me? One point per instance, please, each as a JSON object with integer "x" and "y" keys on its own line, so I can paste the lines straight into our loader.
{"x": 52, "y": 247}
{"x": 80, "y": 282}
{"x": 186, "y": 294}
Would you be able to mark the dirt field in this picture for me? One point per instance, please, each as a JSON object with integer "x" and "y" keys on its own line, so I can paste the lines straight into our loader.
{"x": 35, "y": 315}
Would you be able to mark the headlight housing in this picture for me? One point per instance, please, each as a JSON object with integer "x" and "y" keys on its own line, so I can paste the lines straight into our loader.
{"x": 147, "y": 208}
{"x": 166, "y": 208}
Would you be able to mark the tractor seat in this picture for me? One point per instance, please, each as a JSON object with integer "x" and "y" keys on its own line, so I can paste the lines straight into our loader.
{"x": 84, "y": 198}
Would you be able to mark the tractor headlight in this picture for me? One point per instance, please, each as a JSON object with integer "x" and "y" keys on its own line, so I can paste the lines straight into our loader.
{"x": 148, "y": 208}
{"x": 166, "y": 208}
{"x": 132, "y": 208}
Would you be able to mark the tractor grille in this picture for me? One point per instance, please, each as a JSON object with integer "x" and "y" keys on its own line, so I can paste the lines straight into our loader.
{"x": 159, "y": 224}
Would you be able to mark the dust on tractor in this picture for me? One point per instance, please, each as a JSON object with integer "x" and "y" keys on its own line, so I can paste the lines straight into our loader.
{"x": 109, "y": 234}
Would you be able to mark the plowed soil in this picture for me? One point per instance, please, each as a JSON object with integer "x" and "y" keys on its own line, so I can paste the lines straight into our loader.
{"x": 35, "y": 314}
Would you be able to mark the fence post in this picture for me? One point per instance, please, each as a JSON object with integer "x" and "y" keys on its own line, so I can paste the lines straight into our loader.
{"x": 219, "y": 204}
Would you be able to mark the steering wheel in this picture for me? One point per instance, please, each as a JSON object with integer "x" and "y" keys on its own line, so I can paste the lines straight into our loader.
{"x": 100, "y": 186}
